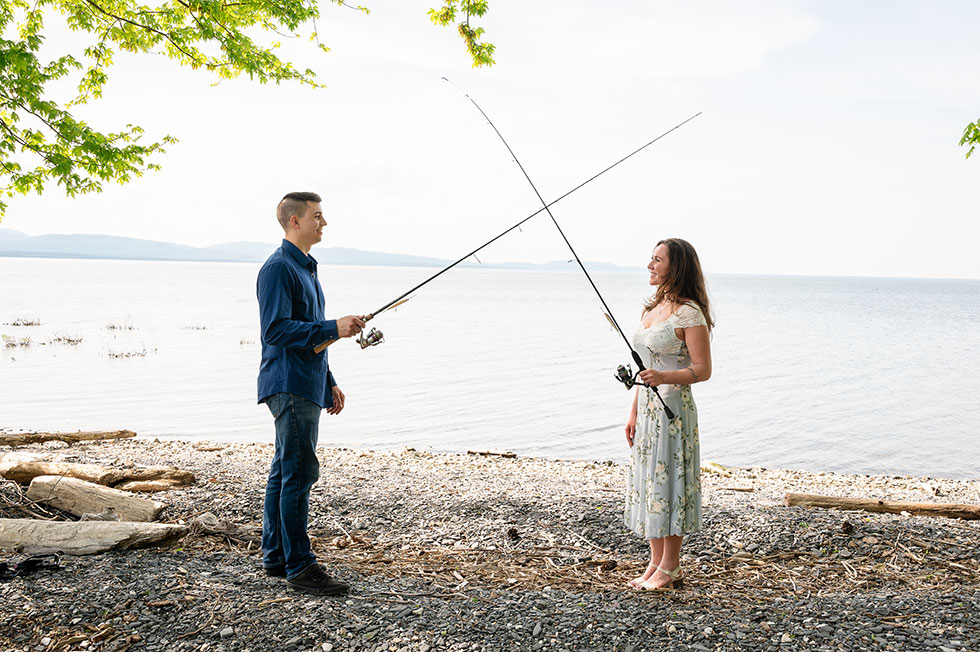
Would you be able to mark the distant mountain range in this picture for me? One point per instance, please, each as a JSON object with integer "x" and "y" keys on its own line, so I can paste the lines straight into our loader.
{"x": 17, "y": 244}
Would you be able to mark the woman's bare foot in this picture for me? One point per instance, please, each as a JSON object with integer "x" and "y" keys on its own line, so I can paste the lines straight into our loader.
{"x": 637, "y": 581}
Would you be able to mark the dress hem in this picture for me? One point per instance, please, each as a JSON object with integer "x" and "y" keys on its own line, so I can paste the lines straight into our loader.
{"x": 682, "y": 533}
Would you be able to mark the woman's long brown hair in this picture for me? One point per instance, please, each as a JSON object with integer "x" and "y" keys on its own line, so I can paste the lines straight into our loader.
{"x": 684, "y": 279}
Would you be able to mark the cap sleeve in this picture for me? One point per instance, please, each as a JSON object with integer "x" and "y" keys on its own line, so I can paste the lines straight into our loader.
{"x": 689, "y": 316}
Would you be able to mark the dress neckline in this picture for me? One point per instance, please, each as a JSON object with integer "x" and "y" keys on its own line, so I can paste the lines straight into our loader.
{"x": 664, "y": 321}
{"x": 657, "y": 323}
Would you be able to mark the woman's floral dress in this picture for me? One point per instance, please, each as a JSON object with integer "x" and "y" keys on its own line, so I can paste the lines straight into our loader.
{"x": 663, "y": 489}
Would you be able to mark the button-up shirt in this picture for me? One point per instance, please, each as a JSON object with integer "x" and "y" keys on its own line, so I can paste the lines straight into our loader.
{"x": 292, "y": 324}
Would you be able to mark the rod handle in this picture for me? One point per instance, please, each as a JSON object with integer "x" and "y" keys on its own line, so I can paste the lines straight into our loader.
{"x": 637, "y": 360}
{"x": 321, "y": 346}
{"x": 639, "y": 363}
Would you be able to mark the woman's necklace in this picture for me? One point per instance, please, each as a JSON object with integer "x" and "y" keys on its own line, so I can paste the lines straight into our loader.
{"x": 661, "y": 313}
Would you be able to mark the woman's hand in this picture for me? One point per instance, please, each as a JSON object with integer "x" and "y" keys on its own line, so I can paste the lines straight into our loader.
{"x": 652, "y": 377}
{"x": 631, "y": 429}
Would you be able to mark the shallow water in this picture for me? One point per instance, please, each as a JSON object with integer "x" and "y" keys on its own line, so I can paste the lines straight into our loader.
{"x": 842, "y": 374}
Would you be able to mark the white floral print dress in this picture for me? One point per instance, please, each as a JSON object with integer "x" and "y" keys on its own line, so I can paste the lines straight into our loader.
{"x": 663, "y": 488}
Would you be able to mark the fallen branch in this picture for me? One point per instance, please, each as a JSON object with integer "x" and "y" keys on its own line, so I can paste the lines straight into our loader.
{"x": 152, "y": 478}
{"x": 715, "y": 467}
{"x": 496, "y": 453}
{"x": 79, "y": 497}
{"x": 32, "y": 537}
{"x": 25, "y": 438}
{"x": 946, "y": 510}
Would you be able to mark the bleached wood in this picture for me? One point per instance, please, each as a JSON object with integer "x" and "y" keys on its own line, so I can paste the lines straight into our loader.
{"x": 31, "y": 537}
{"x": 82, "y": 497}
{"x": 25, "y": 438}
{"x": 947, "y": 510}
{"x": 715, "y": 467}
{"x": 23, "y": 471}
{"x": 493, "y": 453}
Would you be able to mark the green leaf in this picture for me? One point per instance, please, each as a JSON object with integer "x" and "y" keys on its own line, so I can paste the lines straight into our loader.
{"x": 41, "y": 141}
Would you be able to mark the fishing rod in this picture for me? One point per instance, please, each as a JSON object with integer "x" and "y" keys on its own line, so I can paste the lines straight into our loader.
{"x": 623, "y": 374}
{"x": 375, "y": 337}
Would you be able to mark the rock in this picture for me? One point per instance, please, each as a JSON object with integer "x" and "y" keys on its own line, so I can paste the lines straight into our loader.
{"x": 548, "y": 578}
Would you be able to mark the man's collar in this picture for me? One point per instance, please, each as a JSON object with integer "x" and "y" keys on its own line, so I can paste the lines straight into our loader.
{"x": 297, "y": 253}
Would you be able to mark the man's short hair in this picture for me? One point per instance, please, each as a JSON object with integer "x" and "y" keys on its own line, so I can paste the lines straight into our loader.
{"x": 294, "y": 203}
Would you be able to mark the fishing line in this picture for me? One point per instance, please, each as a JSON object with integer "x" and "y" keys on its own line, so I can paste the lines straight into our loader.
{"x": 375, "y": 337}
{"x": 546, "y": 207}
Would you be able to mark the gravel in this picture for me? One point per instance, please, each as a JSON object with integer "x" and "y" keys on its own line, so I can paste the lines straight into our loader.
{"x": 462, "y": 552}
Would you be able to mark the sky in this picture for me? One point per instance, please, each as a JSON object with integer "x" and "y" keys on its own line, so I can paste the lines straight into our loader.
{"x": 827, "y": 144}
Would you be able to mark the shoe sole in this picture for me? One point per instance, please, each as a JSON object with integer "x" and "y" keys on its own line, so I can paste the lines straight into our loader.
{"x": 315, "y": 591}
{"x": 669, "y": 586}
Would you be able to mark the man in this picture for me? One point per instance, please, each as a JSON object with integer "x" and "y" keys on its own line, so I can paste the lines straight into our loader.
{"x": 296, "y": 384}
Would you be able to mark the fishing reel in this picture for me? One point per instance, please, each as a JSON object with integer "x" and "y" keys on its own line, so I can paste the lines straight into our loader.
{"x": 374, "y": 337}
{"x": 625, "y": 375}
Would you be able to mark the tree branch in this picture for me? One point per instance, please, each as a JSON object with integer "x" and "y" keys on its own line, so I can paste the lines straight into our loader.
{"x": 24, "y": 144}
{"x": 147, "y": 28}
{"x": 217, "y": 22}
{"x": 32, "y": 112}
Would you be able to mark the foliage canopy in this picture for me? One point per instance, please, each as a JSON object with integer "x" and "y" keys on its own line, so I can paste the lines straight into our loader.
{"x": 971, "y": 137}
{"x": 41, "y": 142}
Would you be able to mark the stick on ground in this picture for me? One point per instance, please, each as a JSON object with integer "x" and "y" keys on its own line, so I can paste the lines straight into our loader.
{"x": 25, "y": 438}
{"x": 947, "y": 510}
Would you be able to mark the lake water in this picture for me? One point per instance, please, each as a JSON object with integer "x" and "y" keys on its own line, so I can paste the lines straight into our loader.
{"x": 836, "y": 374}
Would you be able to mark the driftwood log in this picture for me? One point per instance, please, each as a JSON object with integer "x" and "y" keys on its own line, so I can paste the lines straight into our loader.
{"x": 29, "y": 536}
{"x": 493, "y": 452}
{"x": 947, "y": 510}
{"x": 715, "y": 467}
{"x": 25, "y": 438}
{"x": 80, "y": 497}
{"x": 135, "y": 479}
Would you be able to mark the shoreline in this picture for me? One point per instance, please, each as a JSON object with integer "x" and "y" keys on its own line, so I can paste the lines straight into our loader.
{"x": 464, "y": 552}
{"x": 959, "y": 476}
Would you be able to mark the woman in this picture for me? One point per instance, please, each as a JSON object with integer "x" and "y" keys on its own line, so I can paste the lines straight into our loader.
{"x": 663, "y": 499}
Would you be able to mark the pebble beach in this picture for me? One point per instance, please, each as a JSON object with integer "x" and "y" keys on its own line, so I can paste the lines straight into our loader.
{"x": 471, "y": 552}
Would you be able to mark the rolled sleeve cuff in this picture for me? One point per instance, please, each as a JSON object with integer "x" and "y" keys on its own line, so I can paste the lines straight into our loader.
{"x": 328, "y": 330}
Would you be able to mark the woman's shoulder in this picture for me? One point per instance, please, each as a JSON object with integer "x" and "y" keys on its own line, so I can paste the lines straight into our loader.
{"x": 689, "y": 314}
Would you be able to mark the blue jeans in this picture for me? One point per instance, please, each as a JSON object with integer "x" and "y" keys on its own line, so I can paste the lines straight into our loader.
{"x": 287, "y": 493}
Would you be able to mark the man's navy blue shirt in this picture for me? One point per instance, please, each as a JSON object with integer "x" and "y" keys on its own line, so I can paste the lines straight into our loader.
{"x": 292, "y": 323}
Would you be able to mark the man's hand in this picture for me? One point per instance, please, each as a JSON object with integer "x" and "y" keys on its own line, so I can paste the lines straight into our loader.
{"x": 338, "y": 401}
{"x": 350, "y": 325}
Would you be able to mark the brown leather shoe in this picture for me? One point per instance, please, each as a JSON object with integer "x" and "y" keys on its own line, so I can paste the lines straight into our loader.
{"x": 314, "y": 579}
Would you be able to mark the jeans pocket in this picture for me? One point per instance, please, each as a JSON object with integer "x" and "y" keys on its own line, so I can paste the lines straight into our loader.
{"x": 277, "y": 403}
